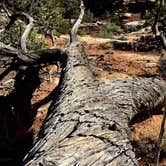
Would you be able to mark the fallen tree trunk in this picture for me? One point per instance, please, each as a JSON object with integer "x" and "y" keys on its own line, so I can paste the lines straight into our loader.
{"x": 88, "y": 124}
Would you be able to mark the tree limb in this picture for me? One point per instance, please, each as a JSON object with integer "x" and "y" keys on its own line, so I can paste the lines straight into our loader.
{"x": 74, "y": 29}
{"x": 27, "y": 31}
{"x": 36, "y": 57}
{"x": 163, "y": 39}
{"x": 8, "y": 50}
{"x": 87, "y": 123}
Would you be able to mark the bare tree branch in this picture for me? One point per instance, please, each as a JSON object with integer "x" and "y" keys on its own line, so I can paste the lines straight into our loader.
{"x": 74, "y": 29}
{"x": 50, "y": 34}
{"x": 157, "y": 32}
{"x": 36, "y": 57}
{"x": 163, "y": 39}
{"x": 13, "y": 18}
{"x": 162, "y": 3}
{"x": 8, "y": 50}
{"x": 27, "y": 31}
{"x": 53, "y": 39}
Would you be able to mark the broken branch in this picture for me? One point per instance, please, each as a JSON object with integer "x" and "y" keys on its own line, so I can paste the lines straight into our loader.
{"x": 74, "y": 29}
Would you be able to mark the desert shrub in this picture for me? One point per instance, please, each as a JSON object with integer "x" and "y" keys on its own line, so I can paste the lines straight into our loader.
{"x": 13, "y": 35}
{"x": 88, "y": 16}
{"x": 34, "y": 42}
{"x": 106, "y": 15}
{"x": 109, "y": 29}
{"x": 115, "y": 18}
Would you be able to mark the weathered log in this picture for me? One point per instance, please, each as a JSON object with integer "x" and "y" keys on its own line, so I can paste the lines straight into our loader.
{"x": 88, "y": 124}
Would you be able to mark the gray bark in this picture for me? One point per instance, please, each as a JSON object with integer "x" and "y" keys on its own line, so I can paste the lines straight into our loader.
{"x": 27, "y": 31}
{"x": 74, "y": 29}
{"x": 88, "y": 123}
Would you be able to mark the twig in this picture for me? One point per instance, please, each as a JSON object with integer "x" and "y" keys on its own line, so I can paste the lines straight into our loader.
{"x": 158, "y": 146}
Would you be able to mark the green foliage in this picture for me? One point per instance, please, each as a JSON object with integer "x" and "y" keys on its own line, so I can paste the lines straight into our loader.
{"x": 115, "y": 18}
{"x": 13, "y": 35}
{"x": 88, "y": 16}
{"x": 34, "y": 41}
{"x": 50, "y": 15}
{"x": 109, "y": 29}
{"x": 148, "y": 15}
{"x": 106, "y": 15}
{"x": 54, "y": 15}
{"x": 71, "y": 8}
{"x": 151, "y": 12}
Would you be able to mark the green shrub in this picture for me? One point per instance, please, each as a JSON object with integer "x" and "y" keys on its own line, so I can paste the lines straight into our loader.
{"x": 106, "y": 15}
{"x": 109, "y": 29}
{"x": 34, "y": 42}
{"x": 13, "y": 37}
{"x": 115, "y": 18}
{"x": 63, "y": 27}
{"x": 88, "y": 16}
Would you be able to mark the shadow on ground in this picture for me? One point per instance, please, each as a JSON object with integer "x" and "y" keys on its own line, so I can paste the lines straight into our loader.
{"x": 17, "y": 115}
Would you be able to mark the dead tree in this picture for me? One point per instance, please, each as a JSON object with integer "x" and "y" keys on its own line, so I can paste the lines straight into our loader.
{"x": 88, "y": 122}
